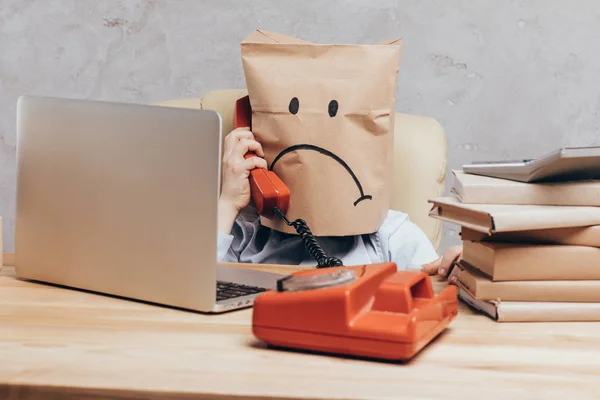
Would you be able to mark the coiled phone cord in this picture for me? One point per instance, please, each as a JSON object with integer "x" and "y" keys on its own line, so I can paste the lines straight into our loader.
{"x": 323, "y": 261}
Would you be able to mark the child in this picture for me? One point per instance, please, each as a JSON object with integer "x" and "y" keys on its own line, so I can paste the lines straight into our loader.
{"x": 241, "y": 237}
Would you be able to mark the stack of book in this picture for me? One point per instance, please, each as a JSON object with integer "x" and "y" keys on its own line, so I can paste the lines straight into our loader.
{"x": 531, "y": 251}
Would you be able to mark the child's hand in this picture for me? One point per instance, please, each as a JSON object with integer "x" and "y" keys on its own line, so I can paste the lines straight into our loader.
{"x": 442, "y": 265}
{"x": 235, "y": 190}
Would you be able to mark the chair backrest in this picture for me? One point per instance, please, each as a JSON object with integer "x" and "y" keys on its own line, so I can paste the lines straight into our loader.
{"x": 419, "y": 157}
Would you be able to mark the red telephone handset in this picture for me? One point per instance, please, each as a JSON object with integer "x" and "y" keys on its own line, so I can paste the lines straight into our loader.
{"x": 267, "y": 190}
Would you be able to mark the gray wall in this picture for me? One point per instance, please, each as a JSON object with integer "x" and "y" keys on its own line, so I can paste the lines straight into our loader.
{"x": 505, "y": 78}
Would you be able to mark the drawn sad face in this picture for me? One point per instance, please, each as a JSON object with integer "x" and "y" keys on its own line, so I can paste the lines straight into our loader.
{"x": 325, "y": 122}
{"x": 332, "y": 109}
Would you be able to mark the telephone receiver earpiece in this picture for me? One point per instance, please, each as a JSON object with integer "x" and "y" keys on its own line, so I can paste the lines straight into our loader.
{"x": 267, "y": 190}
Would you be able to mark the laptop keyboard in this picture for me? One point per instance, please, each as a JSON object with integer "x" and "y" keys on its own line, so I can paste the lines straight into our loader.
{"x": 230, "y": 290}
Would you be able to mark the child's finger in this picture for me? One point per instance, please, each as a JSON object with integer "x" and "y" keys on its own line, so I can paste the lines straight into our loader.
{"x": 251, "y": 163}
{"x": 450, "y": 257}
{"x": 233, "y": 139}
{"x": 246, "y": 145}
{"x": 433, "y": 267}
{"x": 259, "y": 162}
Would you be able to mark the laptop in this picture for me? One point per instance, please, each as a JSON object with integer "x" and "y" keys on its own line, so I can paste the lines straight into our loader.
{"x": 121, "y": 199}
{"x": 565, "y": 164}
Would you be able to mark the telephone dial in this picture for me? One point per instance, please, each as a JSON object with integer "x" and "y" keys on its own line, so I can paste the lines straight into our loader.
{"x": 271, "y": 196}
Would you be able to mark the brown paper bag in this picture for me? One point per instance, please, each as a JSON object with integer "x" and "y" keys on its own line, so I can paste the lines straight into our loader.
{"x": 324, "y": 115}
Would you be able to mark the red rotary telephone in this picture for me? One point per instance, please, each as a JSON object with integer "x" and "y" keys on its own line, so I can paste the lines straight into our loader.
{"x": 371, "y": 311}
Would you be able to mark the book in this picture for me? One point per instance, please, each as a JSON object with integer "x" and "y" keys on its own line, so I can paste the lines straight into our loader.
{"x": 532, "y": 262}
{"x": 577, "y": 236}
{"x": 519, "y": 311}
{"x": 491, "y": 218}
{"x": 476, "y": 189}
{"x": 483, "y": 288}
{"x": 567, "y": 163}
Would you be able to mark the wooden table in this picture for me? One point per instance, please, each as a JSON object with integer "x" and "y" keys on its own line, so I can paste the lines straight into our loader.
{"x": 61, "y": 343}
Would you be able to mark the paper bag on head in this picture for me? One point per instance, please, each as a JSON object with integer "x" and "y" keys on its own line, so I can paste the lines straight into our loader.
{"x": 324, "y": 115}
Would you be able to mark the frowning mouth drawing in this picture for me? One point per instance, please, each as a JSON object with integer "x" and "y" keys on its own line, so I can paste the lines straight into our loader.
{"x": 328, "y": 154}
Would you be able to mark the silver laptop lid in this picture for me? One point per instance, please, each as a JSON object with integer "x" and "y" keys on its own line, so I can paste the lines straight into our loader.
{"x": 119, "y": 199}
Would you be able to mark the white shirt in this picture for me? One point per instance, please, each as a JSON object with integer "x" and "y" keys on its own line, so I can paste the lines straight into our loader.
{"x": 397, "y": 240}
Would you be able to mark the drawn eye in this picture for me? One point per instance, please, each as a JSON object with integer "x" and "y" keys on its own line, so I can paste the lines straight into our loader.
{"x": 294, "y": 105}
{"x": 333, "y": 108}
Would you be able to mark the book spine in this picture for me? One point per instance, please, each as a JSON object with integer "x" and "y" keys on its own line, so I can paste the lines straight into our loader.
{"x": 484, "y": 289}
{"x": 582, "y": 236}
{"x": 518, "y": 311}
{"x": 539, "y": 291}
{"x": 485, "y": 194}
{"x": 537, "y": 218}
{"x": 540, "y": 262}
{"x": 530, "y": 194}
{"x": 547, "y": 312}
{"x": 480, "y": 256}
{"x": 490, "y": 219}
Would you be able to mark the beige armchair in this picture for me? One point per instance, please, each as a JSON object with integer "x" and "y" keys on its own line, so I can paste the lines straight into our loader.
{"x": 419, "y": 157}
